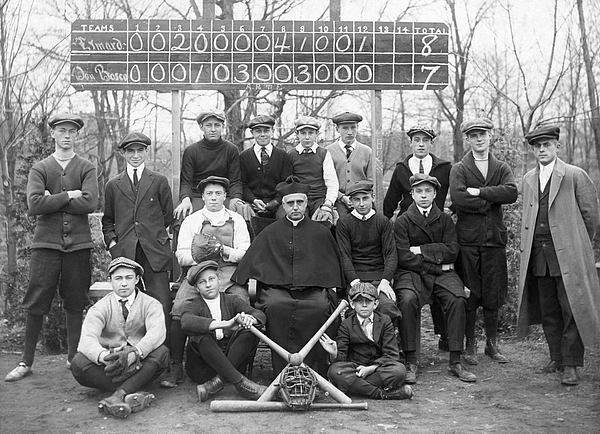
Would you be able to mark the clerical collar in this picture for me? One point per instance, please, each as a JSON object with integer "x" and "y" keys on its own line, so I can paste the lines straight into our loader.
{"x": 481, "y": 159}
{"x": 294, "y": 222}
{"x": 360, "y": 216}
{"x": 427, "y": 210}
{"x": 140, "y": 169}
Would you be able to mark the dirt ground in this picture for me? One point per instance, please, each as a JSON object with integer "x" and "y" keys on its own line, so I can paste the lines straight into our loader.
{"x": 506, "y": 398}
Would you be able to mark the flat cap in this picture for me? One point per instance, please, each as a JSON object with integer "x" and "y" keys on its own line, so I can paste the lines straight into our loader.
{"x": 61, "y": 118}
{"x": 364, "y": 186}
{"x": 476, "y": 124}
{"x": 213, "y": 180}
{"x": 194, "y": 272}
{"x": 210, "y": 114}
{"x": 261, "y": 121}
{"x": 122, "y": 261}
{"x": 135, "y": 139}
{"x": 421, "y": 129}
{"x": 307, "y": 122}
{"x": 346, "y": 118}
{"x": 420, "y": 178}
{"x": 548, "y": 132}
{"x": 363, "y": 289}
{"x": 291, "y": 185}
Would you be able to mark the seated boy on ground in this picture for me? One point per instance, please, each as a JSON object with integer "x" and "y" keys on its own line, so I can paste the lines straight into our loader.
{"x": 220, "y": 345}
{"x": 121, "y": 343}
{"x": 365, "y": 352}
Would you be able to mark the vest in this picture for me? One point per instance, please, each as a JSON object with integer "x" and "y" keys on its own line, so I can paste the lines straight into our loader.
{"x": 309, "y": 169}
{"x": 543, "y": 254}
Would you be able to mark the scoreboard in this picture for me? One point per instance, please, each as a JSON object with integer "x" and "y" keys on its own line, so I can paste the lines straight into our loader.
{"x": 217, "y": 54}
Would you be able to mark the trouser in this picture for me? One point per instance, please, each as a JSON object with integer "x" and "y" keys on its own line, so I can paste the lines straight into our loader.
{"x": 562, "y": 334}
{"x": 207, "y": 357}
{"x": 90, "y": 374}
{"x": 390, "y": 375}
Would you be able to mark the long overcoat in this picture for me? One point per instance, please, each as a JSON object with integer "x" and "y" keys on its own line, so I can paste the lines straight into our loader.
{"x": 573, "y": 217}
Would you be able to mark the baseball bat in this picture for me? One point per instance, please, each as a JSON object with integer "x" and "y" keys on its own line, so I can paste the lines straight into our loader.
{"x": 310, "y": 344}
{"x": 235, "y": 406}
{"x": 269, "y": 394}
{"x": 333, "y": 391}
{"x": 271, "y": 343}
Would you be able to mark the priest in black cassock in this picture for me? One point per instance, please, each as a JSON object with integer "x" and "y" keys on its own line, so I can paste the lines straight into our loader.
{"x": 297, "y": 265}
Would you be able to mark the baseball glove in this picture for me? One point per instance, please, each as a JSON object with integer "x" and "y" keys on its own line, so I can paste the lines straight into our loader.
{"x": 119, "y": 365}
{"x": 206, "y": 247}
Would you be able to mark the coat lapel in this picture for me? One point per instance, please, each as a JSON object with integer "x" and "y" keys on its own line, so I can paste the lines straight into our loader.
{"x": 124, "y": 184}
{"x": 556, "y": 179}
{"x": 377, "y": 327}
{"x": 145, "y": 182}
{"x": 533, "y": 183}
{"x": 469, "y": 161}
{"x": 418, "y": 219}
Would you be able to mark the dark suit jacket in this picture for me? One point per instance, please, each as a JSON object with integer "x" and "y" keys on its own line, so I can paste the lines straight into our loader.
{"x": 354, "y": 346}
{"x": 129, "y": 219}
{"x": 258, "y": 183}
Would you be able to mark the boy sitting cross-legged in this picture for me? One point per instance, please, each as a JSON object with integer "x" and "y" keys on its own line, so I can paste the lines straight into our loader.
{"x": 365, "y": 352}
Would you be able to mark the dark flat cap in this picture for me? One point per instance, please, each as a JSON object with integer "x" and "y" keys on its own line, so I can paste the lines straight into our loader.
{"x": 291, "y": 185}
{"x": 210, "y": 114}
{"x": 194, "y": 272}
{"x": 476, "y": 124}
{"x": 421, "y": 129}
{"x": 346, "y": 118}
{"x": 213, "y": 180}
{"x": 548, "y": 132}
{"x": 122, "y": 261}
{"x": 420, "y": 178}
{"x": 135, "y": 139}
{"x": 61, "y": 118}
{"x": 364, "y": 186}
{"x": 261, "y": 121}
{"x": 363, "y": 289}
{"x": 307, "y": 122}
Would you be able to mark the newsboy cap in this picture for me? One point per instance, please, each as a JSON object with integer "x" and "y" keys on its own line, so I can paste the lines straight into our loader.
{"x": 363, "y": 289}
{"x": 213, "y": 180}
{"x": 307, "y": 122}
{"x": 346, "y": 118}
{"x": 210, "y": 114}
{"x": 420, "y": 178}
{"x": 548, "y": 132}
{"x": 291, "y": 185}
{"x": 421, "y": 129}
{"x": 364, "y": 186}
{"x": 261, "y": 121}
{"x": 194, "y": 272}
{"x": 476, "y": 124}
{"x": 62, "y": 118}
{"x": 122, "y": 261}
{"x": 135, "y": 139}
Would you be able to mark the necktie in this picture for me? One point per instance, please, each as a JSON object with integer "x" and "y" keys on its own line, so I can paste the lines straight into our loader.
{"x": 124, "y": 309}
{"x": 365, "y": 327}
{"x": 364, "y": 218}
{"x": 421, "y": 168}
{"x": 348, "y": 151}
{"x": 135, "y": 177}
{"x": 264, "y": 156}
{"x": 306, "y": 151}
{"x": 425, "y": 214}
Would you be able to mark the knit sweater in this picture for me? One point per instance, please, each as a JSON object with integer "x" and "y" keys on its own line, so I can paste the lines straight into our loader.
{"x": 104, "y": 326}
{"x": 62, "y": 224}
{"x": 203, "y": 159}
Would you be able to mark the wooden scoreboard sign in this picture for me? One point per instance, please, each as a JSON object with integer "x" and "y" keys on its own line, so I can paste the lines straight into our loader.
{"x": 216, "y": 54}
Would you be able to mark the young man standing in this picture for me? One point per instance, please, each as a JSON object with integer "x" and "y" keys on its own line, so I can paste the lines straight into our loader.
{"x": 61, "y": 190}
{"x": 558, "y": 284}
{"x": 352, "y": 159}
{"x": 479, "y": 186}
{"x": 138, "y": 208}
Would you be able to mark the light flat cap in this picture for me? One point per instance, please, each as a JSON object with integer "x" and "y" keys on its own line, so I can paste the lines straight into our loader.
{"x": 122, "y": 261}
{"x": 421, "y": 129}
{"x": 261, "y": 121}
{"x": 194, "y": 272}
{"x": 476, "y": 124}
{"x": 363, "y": 289}
{"x": 62, "y": 118}
{"x": 213, "y": 180}
{"x": 210, "y": 114}
{"x": 307, "y": 122}
{"x": 364, "y": 186}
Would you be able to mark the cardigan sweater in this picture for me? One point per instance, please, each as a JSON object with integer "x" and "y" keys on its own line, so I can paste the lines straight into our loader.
{"x": 62, "y": 224}
{"x": 353, "y": 169}
{"x": 203, "y": 159}
{"x": 104, "y": 326}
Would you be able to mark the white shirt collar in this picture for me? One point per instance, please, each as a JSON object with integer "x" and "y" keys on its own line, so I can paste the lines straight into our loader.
{"x": 300, "y": 148}
{"x": 258, "y": 148}
{"x": 343, "y": 145}
{"x": 129, "y": 299}
{"x": 413, "y": 164}
{"x": 140, "y": 169}
{"x": 427, "y": 210}
{"x": 476, "y": 158}
{"x": 547, "y": 169}
{"x": 360, "y": 216}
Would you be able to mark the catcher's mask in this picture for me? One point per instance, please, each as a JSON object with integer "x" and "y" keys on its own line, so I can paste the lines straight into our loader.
{"x": 298, "y": 387}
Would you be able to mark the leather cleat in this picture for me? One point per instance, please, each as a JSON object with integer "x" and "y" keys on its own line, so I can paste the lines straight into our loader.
{"x": 249, "y": 389}
{"x": 552, "y": 366}
{"x": 411, "y": 373}
{"x": 458, "y": 370}
{"x": 19, "y": 373}
{"x": 443, "y": 344}
{"x": 112, "y": 406}
{"x": 139, "y": 400}
{"x": 491, "y": 349}
{"x": 173, "y": 377}
{"x": 570, "y": 376}
{"x": 402, "y": 392}
{"x": 470, "y": 354}
{"x": 211, "y": 387}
